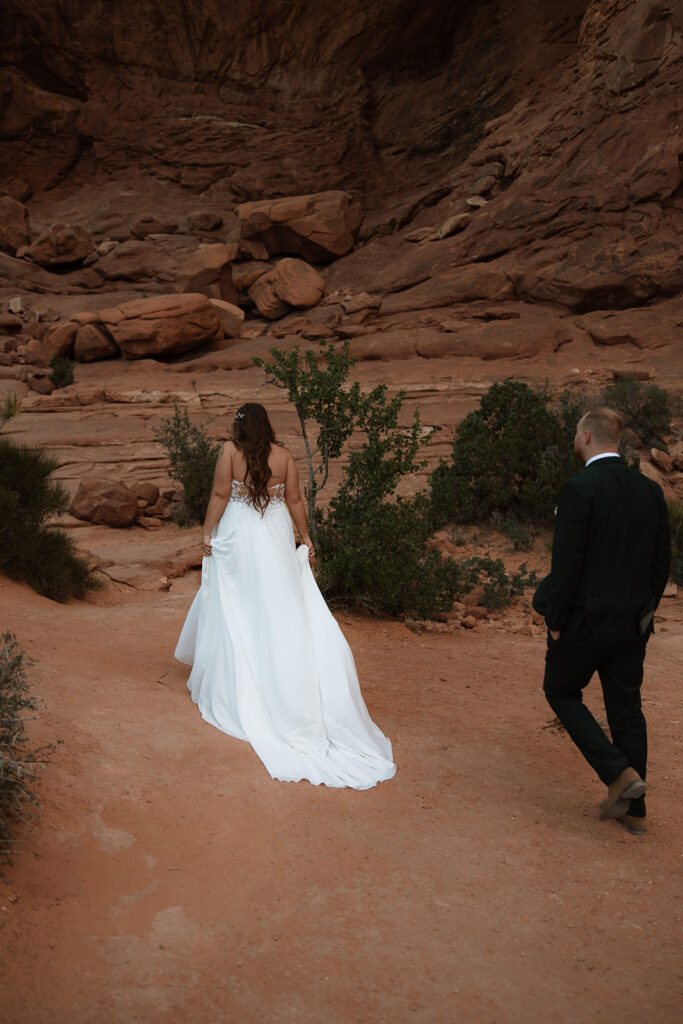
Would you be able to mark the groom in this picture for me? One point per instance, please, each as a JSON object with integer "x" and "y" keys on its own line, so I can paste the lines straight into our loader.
{"x": 610, "y": 564}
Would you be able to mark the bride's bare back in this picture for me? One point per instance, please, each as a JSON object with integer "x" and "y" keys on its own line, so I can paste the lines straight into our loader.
{"x": 232, "y": 466}
{"x": 278, "y": 463}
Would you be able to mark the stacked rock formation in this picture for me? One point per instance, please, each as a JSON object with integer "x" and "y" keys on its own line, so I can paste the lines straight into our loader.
{"x": 504, "y": 183}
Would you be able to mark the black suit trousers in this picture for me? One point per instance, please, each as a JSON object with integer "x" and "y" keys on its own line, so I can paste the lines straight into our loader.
{"x": 570, "y": 663}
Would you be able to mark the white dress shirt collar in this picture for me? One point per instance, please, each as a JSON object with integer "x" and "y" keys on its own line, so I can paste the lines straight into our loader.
{"x": 603, "y": 455}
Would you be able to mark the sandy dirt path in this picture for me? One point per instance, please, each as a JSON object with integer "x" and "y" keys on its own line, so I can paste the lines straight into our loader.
{"x": 170, "y": 879}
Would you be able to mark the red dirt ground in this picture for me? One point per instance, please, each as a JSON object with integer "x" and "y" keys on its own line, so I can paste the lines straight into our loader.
{"x": 169, "y": 879}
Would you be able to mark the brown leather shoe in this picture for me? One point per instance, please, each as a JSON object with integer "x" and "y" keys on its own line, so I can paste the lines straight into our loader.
{"x": 626, "y": 787}
{"x": 636, "y": 826}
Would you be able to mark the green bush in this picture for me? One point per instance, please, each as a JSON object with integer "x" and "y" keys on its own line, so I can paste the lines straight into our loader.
{"x": 193, "y": 456}
{"x": 647, "y": 409}
{"x": 375, "y": 553}
{"x": 497, "y": 587}
{"x": 20, "y": 766}
{"x": 373, "y": 543}
{"x": 62, "y": 372}
{"x": 42, "y": 556}
{"x": 676, "y": 523}
{"x": 509, "y": 457}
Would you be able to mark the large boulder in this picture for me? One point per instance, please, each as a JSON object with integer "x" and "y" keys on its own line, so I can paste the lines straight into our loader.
{"x": 209, "y": 271}
{"x": 14, "y": 226}
{"x": 163, "y": 325}
{"x": 105, "y": 501}
{"x": 319, "y": 227}
{"x": 244, "y": 274}
{"x": 94, "y": 342}
{"x": 61, "y": 245}
{"x": 231, "y": 317}
{"x": 58, "y": 340}
{"x": 290, "y": 284}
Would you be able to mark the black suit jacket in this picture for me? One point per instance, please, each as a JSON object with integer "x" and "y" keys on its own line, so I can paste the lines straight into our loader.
{"x": 611, "y": 553}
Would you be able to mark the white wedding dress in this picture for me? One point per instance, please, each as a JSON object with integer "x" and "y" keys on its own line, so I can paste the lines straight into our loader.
{"x": 269, "y": 662}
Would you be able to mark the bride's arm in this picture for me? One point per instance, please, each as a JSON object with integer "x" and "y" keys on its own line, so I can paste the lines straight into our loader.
{"x": 220, "y": 496}
{"x": 295, "y": 505}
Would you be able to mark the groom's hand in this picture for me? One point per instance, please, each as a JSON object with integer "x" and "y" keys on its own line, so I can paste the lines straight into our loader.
{"x": 555, "y": 633}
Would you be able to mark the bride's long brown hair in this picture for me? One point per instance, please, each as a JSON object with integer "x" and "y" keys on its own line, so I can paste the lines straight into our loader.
{"x": 253, "y": 435}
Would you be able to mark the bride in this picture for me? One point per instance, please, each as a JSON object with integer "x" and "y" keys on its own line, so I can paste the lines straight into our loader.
{"x": 269, "y": 662}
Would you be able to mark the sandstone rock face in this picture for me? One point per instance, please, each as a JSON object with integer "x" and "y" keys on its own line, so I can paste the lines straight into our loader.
{"x": 461, "y": 285}
{"x": 291, "y": 283}
{"x": 61, "y": 245}
{"x": 204, "y": 221}
{"x": 94, "y": 342}
{"x": 209, "y": 271}
{"x": 59, "y": 339}
{"x": 147, "y": 260}
{"x": 317, "y": 227}
{"x": 104, "y": 501}
{"x": 165, "y": 325}
{"x": 244, "y": 274}
{"x": 151, "y": 224}
{"x": 231, "y": 317}
{"x": 14, "y": 225}
{"x": 662, "y": 460}
{"x": 537, "y": 164}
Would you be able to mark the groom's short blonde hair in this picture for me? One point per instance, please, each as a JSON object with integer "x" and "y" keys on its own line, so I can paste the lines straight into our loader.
{"x": 606, "y": 426}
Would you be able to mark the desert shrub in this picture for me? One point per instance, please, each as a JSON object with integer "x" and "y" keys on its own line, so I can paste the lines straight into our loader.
{"x": 20, "y": 766}
{"x": 62, "y": 371}
{"x": 9, "y": 407}
{"x": 676, "y": 524}
{"x": 31, "y": 551}
{"x": 497, "y": 586}
{"x": 646, "y": 408}
{"x": 510, "y": 457}
{"x": 375, "y": 553}
{"x": 374, "y": 544}
{"x": 193, "y": 456}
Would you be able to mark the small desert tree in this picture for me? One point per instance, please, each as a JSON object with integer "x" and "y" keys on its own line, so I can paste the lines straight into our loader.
{"x": 314, "y": 383}
{"x": 372, "y": 543}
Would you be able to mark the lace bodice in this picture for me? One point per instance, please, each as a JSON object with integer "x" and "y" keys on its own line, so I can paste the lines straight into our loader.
{"x": 241, "y": 493}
